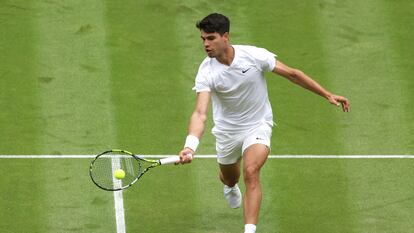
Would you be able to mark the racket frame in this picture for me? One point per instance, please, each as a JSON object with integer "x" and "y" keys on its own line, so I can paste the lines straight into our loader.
{"x": 154, "y": 163}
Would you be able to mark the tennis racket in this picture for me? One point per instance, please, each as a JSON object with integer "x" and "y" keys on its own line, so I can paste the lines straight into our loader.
{"x": 105, "y": 166}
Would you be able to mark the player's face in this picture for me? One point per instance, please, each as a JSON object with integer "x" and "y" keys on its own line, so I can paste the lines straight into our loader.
{"x": 214, "y": 43}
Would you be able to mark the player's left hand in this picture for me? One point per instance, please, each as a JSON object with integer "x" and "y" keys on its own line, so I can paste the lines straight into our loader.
{"x": 339, "y": 100}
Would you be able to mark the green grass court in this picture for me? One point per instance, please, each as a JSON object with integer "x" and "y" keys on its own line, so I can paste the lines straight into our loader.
{"x": 81, "y": 77}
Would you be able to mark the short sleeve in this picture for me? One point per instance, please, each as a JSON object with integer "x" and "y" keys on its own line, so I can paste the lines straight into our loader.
{"x": 265, "y": 60}
{"x": 201, "y": 83}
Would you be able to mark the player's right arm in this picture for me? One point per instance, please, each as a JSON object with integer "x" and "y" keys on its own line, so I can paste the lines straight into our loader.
{"x": 197, "y": 123}
{"x": 199, "y": 117}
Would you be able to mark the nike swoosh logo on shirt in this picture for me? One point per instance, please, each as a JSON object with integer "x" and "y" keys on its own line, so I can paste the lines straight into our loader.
{"x": 244, "y": 71}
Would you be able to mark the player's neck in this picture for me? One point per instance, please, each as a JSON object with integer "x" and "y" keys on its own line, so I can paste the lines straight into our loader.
{"x": 227, "y": 56}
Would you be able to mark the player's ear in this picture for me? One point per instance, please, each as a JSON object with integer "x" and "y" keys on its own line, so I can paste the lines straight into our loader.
{"x": 226, "y": 36}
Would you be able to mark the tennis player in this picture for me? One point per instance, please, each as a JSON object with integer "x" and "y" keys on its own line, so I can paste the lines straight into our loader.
{"x": 232, "y": 78}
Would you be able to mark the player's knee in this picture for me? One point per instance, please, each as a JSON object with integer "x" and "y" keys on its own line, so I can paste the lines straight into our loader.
{"x": 251, "y": 174}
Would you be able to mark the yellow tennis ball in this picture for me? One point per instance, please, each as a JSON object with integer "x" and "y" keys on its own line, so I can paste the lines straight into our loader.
{"x": 119, "y": 174}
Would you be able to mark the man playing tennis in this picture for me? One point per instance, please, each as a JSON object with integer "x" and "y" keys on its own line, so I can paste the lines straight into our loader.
{"x": 232, "y": 76}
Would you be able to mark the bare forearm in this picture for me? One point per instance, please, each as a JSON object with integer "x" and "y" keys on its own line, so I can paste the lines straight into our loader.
{"x": 303, "y": 80}
{"x": 195, "y": 127}
{"x": 197, "y": 124}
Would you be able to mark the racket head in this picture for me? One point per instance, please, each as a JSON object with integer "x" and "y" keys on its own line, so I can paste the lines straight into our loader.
{"x": 102, "y": 169}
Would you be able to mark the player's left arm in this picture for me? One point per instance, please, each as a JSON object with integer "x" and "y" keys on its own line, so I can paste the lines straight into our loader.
{"x": 298, "y": 77}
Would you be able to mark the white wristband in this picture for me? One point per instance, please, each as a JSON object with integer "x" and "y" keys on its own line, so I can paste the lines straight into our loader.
{"x": 192, "y": 142}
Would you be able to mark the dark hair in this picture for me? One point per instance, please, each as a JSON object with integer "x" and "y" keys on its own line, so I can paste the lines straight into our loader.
{"x": 214, "y": 22}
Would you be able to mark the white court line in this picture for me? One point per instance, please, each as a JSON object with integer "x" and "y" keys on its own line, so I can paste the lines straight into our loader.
{"x": 341, "y": 156}
{"x": 119, "y": 212}
{"x": 214, "y": 156}
{"x": 118, "y": 199}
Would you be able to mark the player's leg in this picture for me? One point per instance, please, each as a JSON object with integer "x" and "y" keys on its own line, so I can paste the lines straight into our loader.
{"x": 256, "y": 149}
{"x": 254, "y": 158}
{"x": 229, "y": 175}
{"x": 229, "y": 150}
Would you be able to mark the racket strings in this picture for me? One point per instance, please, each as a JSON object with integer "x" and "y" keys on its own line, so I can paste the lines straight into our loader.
{"x": 104, "y": 167}
{"x": 102, "y": 172}
{"x": 130, "y": 167}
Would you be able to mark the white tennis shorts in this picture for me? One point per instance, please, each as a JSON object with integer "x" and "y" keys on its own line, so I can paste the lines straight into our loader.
{"x": 230, "y": 147}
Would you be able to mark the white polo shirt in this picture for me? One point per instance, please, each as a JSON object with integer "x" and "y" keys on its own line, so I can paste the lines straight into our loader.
{"x": 239, "y": 91}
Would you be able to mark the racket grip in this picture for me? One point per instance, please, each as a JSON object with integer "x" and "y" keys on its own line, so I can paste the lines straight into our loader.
{"x": 170, "y": 160}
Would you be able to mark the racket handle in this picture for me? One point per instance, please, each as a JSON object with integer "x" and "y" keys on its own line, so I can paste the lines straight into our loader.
{"x": 172, "y": 159}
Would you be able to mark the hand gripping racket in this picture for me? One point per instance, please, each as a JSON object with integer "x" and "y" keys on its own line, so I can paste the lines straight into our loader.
{"x": 132, "y": 167}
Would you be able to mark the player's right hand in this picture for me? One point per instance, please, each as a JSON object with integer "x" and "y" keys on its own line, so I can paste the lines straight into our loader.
{"x": 186, "y": 156}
